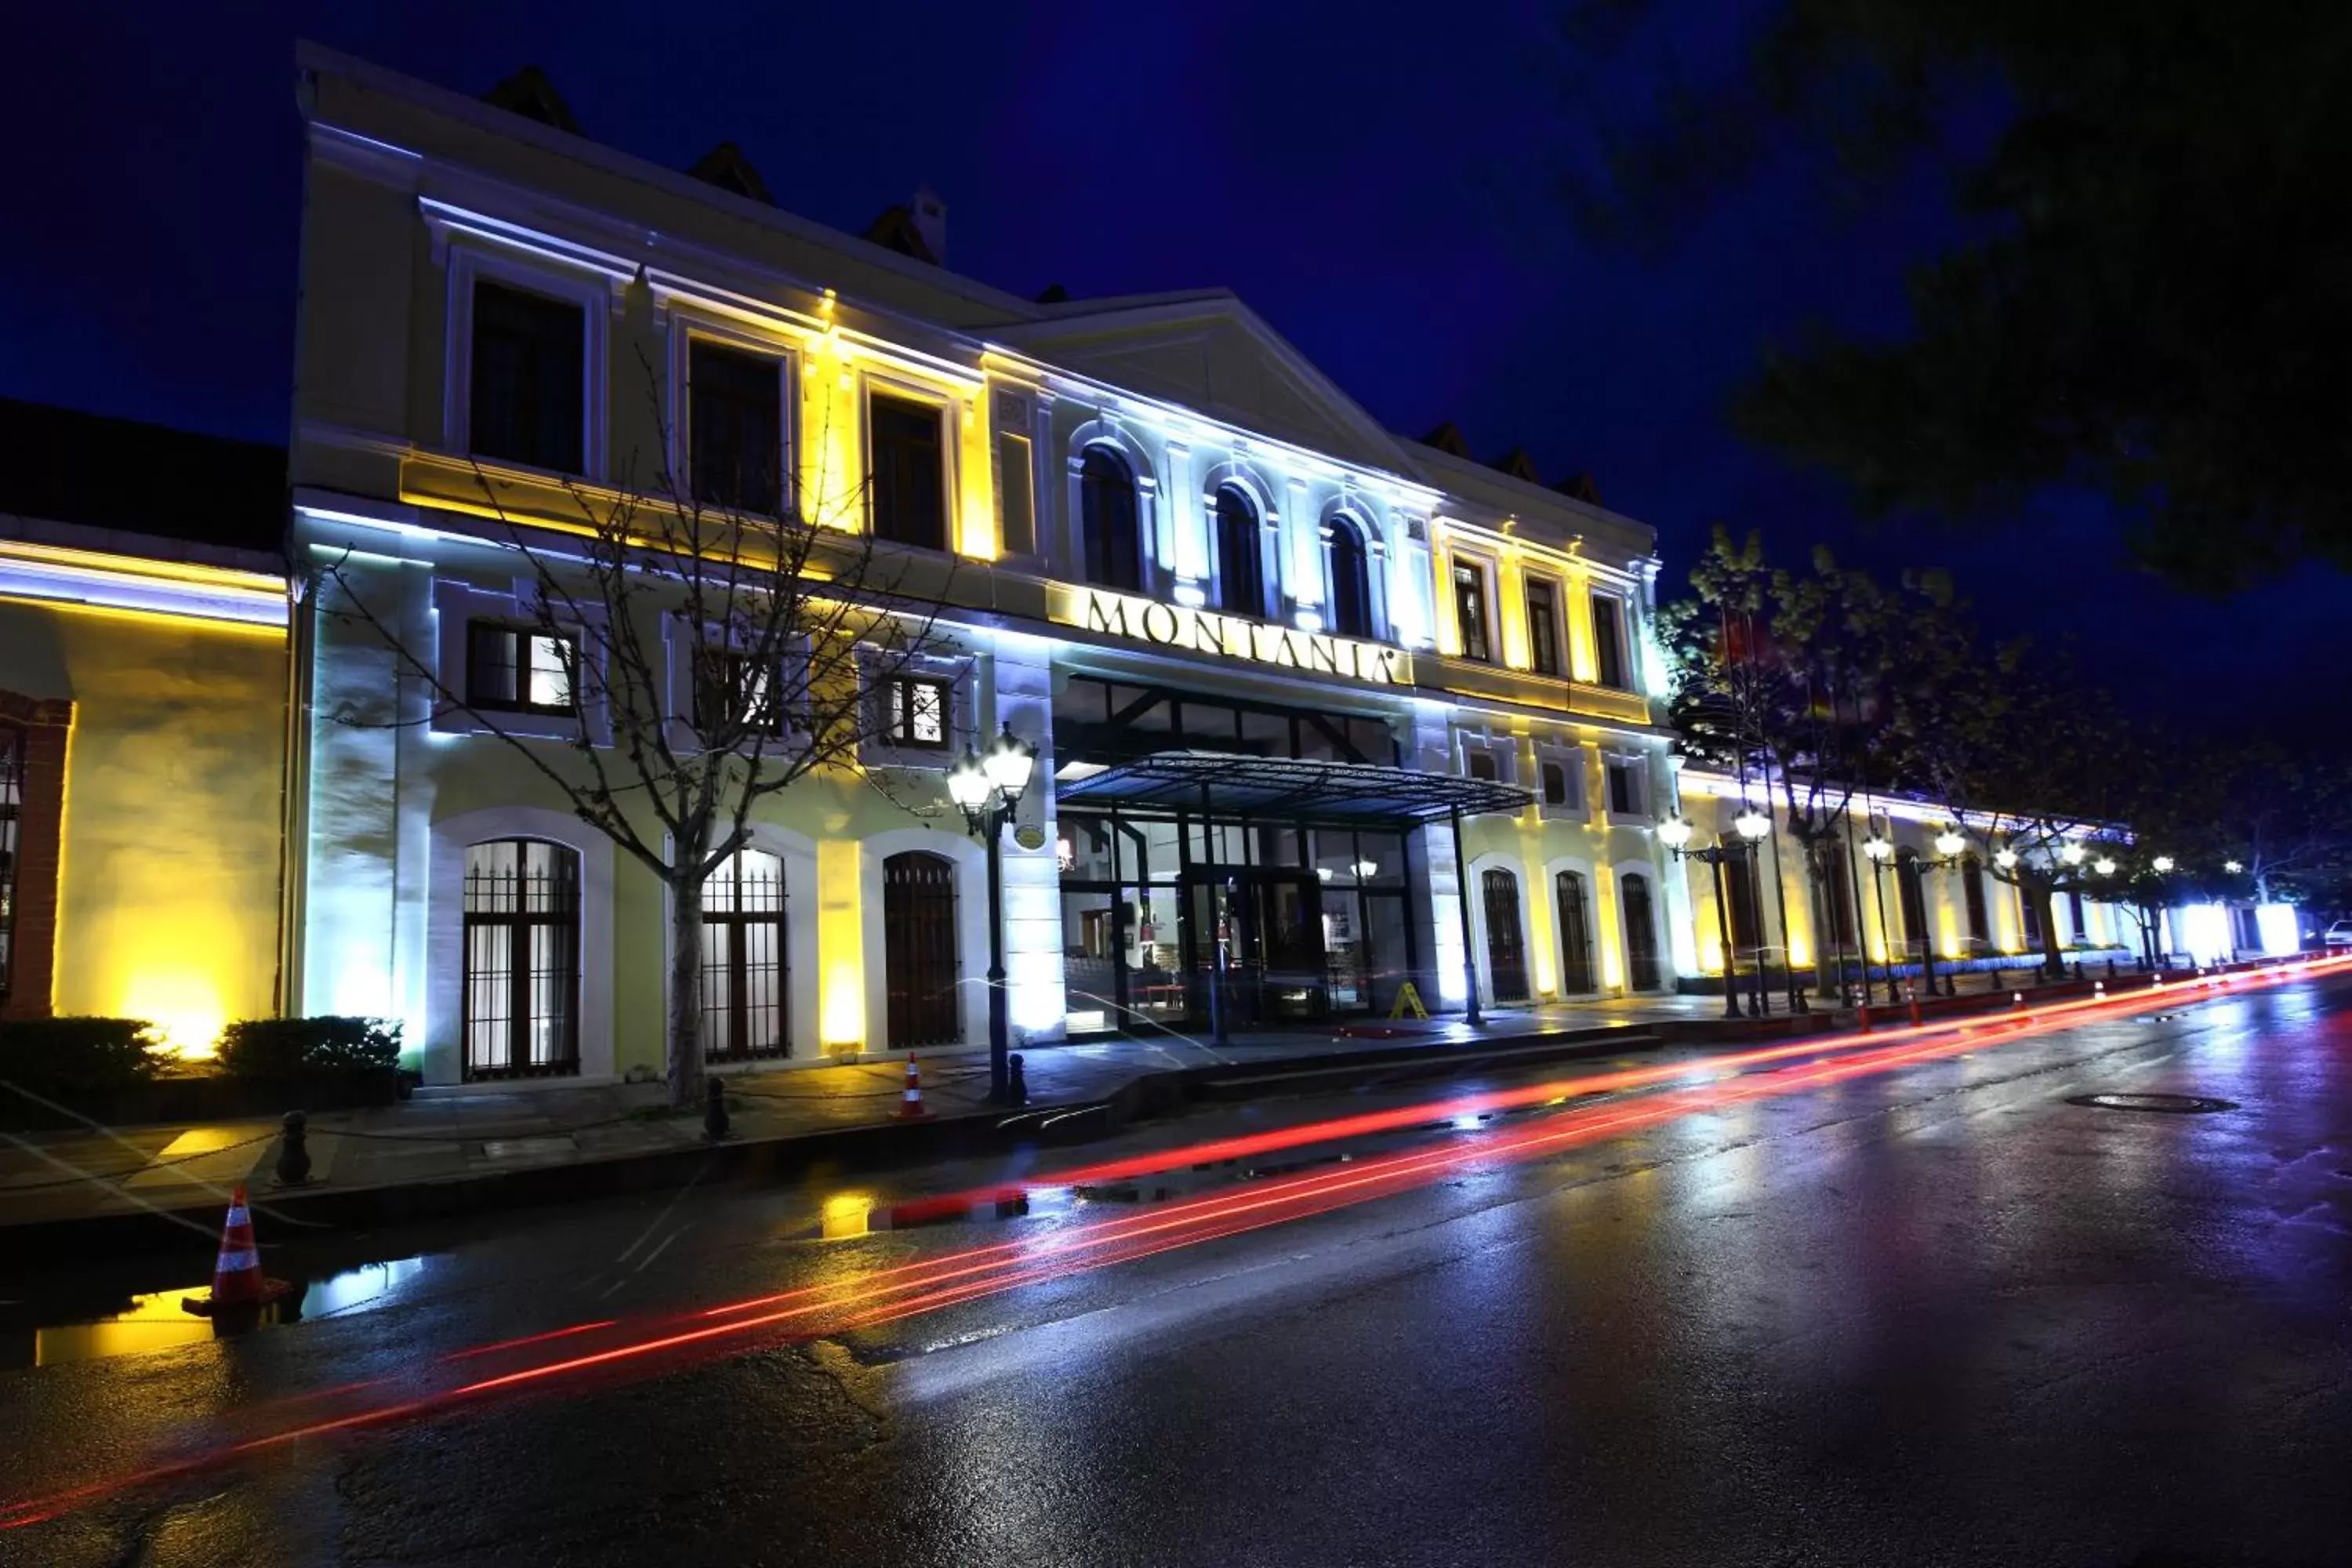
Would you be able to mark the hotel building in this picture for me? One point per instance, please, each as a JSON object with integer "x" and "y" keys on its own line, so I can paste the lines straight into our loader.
{"x": 1320, "y": 712}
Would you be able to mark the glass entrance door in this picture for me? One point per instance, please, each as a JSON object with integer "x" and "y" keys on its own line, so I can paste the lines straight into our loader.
{"x": 1263, "y": 931}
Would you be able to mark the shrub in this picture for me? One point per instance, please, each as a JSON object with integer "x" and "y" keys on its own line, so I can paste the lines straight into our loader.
{"x": 63, "y": 1058}
{"x": 296, "y": 1047}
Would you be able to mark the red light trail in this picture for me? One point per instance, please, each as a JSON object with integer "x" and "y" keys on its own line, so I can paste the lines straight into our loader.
{"x": 884, "y": 1295}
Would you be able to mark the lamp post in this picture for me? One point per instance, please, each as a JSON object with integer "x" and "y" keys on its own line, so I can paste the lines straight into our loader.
{"x": 1880, "y": 849}
{"x": 1674, "y": 833}
{"x": 1752, "y": 824}
{"x": 1950, "y": 856}
{"x": 986, "y": 790}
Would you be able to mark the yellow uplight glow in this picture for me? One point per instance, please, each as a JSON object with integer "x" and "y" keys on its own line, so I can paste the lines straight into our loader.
{"x": 840, "y": 942}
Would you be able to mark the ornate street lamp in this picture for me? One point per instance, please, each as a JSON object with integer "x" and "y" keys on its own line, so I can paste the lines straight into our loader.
{"x": 1753, "y": 825}
{"x": 1948, "y": 842}
{"x": 2163, "y": 864}
{"x": 1881, "y": 849}
{"x": 2233, "y": 866}
{"x": 2106, "y": 867}
{"x": 2005, "y": 858}
{"x": 986, "y": 790}
{"x": 2072, "y": 853}
{"x": 1674, "y": 833}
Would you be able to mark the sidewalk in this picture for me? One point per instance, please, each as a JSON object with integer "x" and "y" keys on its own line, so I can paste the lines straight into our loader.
{"x": 504, "y": 1143}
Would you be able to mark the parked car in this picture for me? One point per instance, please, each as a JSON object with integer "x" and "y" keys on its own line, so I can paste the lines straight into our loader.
{"x": 2339, "y": 934}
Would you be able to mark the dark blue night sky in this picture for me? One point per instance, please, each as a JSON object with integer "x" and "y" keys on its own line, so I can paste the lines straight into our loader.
{"x": 1380, "y": 191}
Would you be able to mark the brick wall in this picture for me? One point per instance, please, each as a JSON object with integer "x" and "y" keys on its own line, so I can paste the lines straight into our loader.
{"x": 45, "y": 725}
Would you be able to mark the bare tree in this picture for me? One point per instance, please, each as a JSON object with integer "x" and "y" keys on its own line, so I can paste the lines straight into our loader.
{"x": 714, "y": 643}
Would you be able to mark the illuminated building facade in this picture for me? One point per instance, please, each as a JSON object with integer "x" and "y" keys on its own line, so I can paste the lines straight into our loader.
{"x": 142, "y": 703}
{"x": 1298, "y": 685}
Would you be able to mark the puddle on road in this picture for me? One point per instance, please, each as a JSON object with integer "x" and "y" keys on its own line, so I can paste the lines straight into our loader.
{"x": 155, "y": 1322}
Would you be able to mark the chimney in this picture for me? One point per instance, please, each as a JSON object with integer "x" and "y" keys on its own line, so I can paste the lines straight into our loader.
{"x": 929, "y": 215}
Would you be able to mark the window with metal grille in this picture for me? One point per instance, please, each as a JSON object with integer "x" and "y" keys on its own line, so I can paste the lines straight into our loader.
{"x": 745, "y": 974}
{"x": 519, "y": 670}
{"x": 528, "y": 389}
{"x": 909, "y": 468}
{"x": 918, "y": 712}
{"x": 12, "y": 813}
{"x": 1555, "y": 784}
{"x": 521, "y": 980}
{"x": 1479, "y": 763}
{"x": 735, "y": 423}
{"x": 1470, "y": 610}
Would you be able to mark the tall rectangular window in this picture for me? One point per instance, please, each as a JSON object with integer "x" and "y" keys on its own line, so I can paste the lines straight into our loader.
{"x": 1609, "y": 640}
{"x": 527, "y": 386}
{"x": 1543, "y": 626}
{"x": 918, "y": 712}
{"x": 733, "y": 690}
{"x": 735, "y": 426}
{"x": 1470, "y": 611}
{"x": 519, "y": 668}
{"x": 1626, "y": 795}
{"x": 1016, "y": 489}
{"x": 908, "y": 470}
{"x": 12, "y": 814}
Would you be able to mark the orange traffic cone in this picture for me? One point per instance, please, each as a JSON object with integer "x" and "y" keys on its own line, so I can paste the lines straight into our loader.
{"x": 238, "y": 1278}
{"x": 910, "y": 1105}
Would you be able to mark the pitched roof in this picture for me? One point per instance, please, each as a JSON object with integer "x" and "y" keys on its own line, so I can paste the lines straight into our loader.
{"x": 528, "y": 93}
{"x": 61, "y": 465}
{"x": 726, "y": 167}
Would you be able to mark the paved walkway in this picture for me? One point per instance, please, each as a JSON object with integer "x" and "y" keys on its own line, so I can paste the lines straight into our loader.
{"x": 454, "y": 1132}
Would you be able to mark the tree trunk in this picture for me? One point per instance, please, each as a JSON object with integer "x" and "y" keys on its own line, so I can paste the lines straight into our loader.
{"x": 686, "y": 992}
{"x": 2053, "y": 960}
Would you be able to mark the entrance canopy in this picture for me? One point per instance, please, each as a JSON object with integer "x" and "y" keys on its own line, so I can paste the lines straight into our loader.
{"x": 1360, "y": 792}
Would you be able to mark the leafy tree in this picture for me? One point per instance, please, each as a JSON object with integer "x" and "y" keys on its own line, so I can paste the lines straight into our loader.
{"x": 2153, "y": 293}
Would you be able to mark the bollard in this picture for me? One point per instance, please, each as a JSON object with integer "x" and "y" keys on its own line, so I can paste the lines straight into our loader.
{"x": 294, "y": 1149}
{"x": 1017, "y": 1081}
{"x": 2111, "y": 967}
{"x": 714, "y": 1110}
{"x": 1862, "y": 1013}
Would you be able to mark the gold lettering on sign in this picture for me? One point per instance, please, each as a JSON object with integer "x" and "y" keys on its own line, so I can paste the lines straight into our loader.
{"x": 1105, "y": 614}
{"x": 1205, "y": 631}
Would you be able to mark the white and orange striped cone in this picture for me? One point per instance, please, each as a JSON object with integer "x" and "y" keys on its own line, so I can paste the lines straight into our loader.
{"x": 238, "y": 1280}
{"x": 911, "y": 1103}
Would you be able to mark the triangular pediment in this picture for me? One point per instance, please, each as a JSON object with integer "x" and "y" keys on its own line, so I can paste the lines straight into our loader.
{"x": 1213, "y": 353}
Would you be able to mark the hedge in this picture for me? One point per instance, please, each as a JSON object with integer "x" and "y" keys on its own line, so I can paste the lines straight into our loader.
{"x": 68, "y": 1057}
{"x": 300, "y": 1047}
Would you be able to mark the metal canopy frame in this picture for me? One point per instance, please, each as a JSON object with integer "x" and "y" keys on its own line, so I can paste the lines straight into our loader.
{"x": 1359, "y": 794}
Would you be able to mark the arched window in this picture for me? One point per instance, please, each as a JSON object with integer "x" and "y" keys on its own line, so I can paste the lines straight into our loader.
{"x": 1980, "y": 921}
{"x": 1575, "y": 936}
{"x": 1108, "y": 531}
{"x": 1913, "y": 900}
{"x": 1641, "y": 934}
{"x": 744, "y": 978}
{"x": 1241, "y": 555}
{"x": 1351, "y": 581}
{"x": 522, "y": 959}
{"x": 1507, "y": 955}
{"x": 919, "y": 949}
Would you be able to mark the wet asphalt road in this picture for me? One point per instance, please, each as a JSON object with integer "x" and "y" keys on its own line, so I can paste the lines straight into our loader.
{"x": 1935, "y": 1316}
